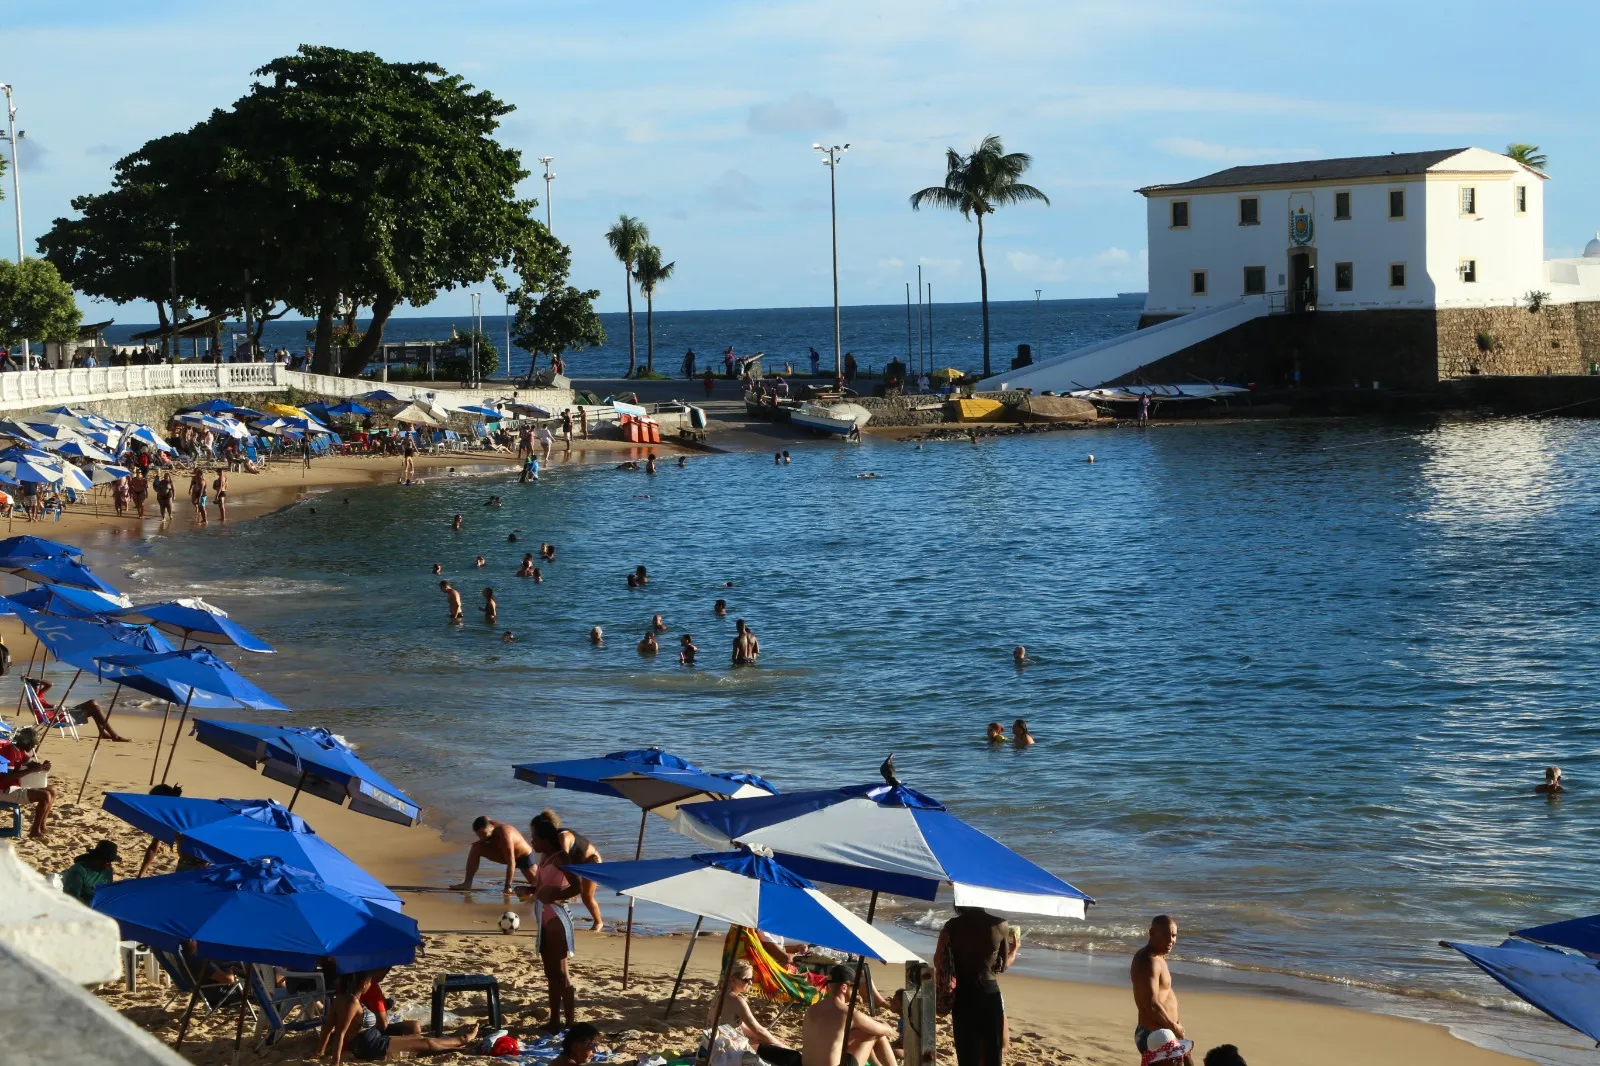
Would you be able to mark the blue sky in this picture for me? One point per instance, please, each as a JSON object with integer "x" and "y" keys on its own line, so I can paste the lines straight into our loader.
{"x": 699, "y": 117}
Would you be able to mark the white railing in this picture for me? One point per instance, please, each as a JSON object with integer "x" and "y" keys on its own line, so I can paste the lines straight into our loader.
{"x": 38, "y": 388}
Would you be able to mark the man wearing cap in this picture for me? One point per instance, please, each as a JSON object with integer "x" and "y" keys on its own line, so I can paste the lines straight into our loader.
{"x": 93, "y": 869}
{"x": 16, "y": 763}
{"x": 831, "y": 1028}
{"x": 1158, "y": 1035}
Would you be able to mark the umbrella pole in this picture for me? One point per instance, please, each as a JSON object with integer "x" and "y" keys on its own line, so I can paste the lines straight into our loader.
{"x": 238, "y": 1029}
{"x": 177, "y": 734}
{"x": 722, "y": 994}
{"x": 183, "y": 1026}
{"x": 627, "y": 939}
{"x": 698, "y": 922}
{"x": 298, "y": 785}
{"x": 166, "y": 712}
{"x": 861, "y": 968}
{"x": 96, "y": 749}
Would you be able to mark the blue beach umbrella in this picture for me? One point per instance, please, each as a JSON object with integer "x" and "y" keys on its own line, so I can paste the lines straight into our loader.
{"x": 216, "y": 406}
{"x": 481, "y": 411}
{"x": 58, "y": 570}
{"x": 1566, "y": 987}
{"x": 349, "y": 409}
{"x": 25, "y": 546}
{"x": 72, "y": 477}
{"x": 885, "y": 838}
{"x": 195, "y": 619}
{"x": 314, "y": 761}
{"x": 18, "y": 431}
{"x": 80, "y": 642}
{"x": 230, "y": 830}
{"x": 260, "y": 910}
{"x": 742, "y": 888}
{"x": 380, "y": 396}
{"x": 51, "y": 430}
{"x": 77, "y": 448}
{"x": 28, "y": 471}
{"x": 106, "y": 473}
{"x": 66, "y": 601}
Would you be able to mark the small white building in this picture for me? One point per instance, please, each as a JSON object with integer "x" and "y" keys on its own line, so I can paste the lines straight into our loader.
{"x": 1460, "y": 227}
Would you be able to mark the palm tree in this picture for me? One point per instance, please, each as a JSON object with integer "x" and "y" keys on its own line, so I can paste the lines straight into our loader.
{"x": 650, "y": 271}
{"x": 975, "y": 185}
{"x": 626, "y": 238}
{"x": 1528, "y": 155}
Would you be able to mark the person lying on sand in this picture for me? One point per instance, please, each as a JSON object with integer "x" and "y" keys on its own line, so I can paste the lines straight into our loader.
{"x": 833, "y": 1033}
{"x": 351, "y": 1027}
{"x": 578, "y": 1046}
{"x": 497, "y": 842}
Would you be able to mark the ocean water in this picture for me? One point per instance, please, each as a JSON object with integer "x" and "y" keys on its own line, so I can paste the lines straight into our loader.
{"x": 876, "y": 334}
{"x": 1294, "y": 682}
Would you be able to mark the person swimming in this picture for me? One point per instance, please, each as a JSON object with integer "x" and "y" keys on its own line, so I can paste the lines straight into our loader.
{"x": 527, "y": 568}
{"x": 1020, "y": 735}
{"x": 1019, "y": 655}
{"x": 720, "y": 608}
{"x": 642, "y": 574}
{"x": 657, "y": 625}
{"x": 548, "y": 552}
{"x": 597, "y": 636}
{"x": 687, "y": 650}
{"x": 455, "y": 524}
{"x": 1552, "y": 781}
{"x": 997, "y": 733}
{"x": 438, "y": 568}
{"x": 511, "y": 538}
{"x": 538, "y": 576}
{"x": 633, "y": 581}
{"x": 491, "y": 609}
{"x": 508, "y": 637}
{"x": 480, "y": 562}
{"x": 648, "y": 645}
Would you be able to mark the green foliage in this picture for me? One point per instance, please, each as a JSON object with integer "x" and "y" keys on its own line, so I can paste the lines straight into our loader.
{"x": 488, "y": 354}
{"x": 1528, "y": 155}
{"x": 561, "y": 320}
{"x": 628, "y": 237}
{"x": 976, "y": 185}
{"x": 1487, "y": 342}
{"x": 651, "y": 272}
{"x": 35, "y": 304}
{"x": 1536, "y": 299}
{"x": 338, "y": 181}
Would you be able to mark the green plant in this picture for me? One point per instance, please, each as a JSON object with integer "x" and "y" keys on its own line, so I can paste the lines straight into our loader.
{"x": 651, "y": 271}
{"x": 35, "y": 304}
{"x": 1536, "y": 300}
{"x": 976, "y": 185}
{"x": 628, "y": 237}
{"x": 1528, "y": 155}
{"x": 1488, "y": 342}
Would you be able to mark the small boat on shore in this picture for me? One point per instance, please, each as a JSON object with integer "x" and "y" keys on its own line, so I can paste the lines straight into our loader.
{"x": 1112, "y": 397}
{"x": 840, "y": 419}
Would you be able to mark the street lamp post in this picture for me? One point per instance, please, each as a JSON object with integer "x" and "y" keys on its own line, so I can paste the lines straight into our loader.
{"x": 549, "y": 176}
{"x": 1038, "y": 337}
{"x": 830, "y": 160}
{"x": 16, "y": 194}
{"x": 172, "y": 300}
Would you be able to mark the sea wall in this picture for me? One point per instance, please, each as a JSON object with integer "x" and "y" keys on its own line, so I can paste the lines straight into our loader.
{"x": 1508, "y": 341}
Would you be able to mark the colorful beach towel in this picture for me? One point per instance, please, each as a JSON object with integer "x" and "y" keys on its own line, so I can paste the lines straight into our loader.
{"x": 772, "y": 981}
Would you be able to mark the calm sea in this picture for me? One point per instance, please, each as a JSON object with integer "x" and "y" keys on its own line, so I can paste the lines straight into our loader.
{"x": 1294, "y": 681}
{"x": 876, "y": 334}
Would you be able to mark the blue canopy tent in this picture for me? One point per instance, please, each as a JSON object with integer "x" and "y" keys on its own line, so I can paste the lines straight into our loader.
{"x": 1564, "y": 986}
{"x": 195, "y": 619}
{"x": 230, "y": 830}
{"x": 656, "y": 781}
{"x": 203, "y": 680}
{"x": 260, "y": 910}
{"x": 314, "y": 761}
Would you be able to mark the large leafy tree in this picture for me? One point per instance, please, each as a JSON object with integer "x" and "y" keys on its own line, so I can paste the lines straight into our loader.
{"x": 561, "y": 320}
{"x": 35, "y": 304}
{"x": 651, "y": 271}
{"x": 342, "y": 181}
{"x": 1528, "y": 155}
{"x": 976, "y": 185}
{"x": 628, "y": 237}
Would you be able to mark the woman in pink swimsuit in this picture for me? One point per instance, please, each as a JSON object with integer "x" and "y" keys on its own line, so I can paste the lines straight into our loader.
{"x": 552, "y": 887}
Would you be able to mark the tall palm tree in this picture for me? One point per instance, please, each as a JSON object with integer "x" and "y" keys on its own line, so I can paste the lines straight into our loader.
{"x": 626, "y": 237}
{"x": 650, "y": 271}
{"x": 975, "y": 185}
{"x": 1528, "y": 155}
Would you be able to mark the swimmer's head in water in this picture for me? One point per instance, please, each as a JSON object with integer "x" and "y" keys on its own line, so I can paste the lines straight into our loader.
{"x": 511, "y": 538}
{"x": 437, "y": 568}
{"x": 996, "y": 731}
{"x": 1020, "y": 726}
{"x": 1020, "y": 652}
{"x": 1552, "y": 774}
{"x": 596, "y": 634}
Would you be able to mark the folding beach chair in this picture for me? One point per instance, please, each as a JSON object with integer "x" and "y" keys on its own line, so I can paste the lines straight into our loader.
{"x": 300, "y": 1006}
{"x": 55, "y": 717}
{"x": 214, "y": 996}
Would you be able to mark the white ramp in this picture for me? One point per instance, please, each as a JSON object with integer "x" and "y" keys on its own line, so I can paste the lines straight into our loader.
{"x": 1108, "y": 360}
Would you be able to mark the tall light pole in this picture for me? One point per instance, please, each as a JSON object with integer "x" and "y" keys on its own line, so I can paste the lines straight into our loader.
{"x": 172, "y": 267}
{"x": 830, "y": 160}
{"x": 16, "y": 194}
{"x": 1038, "y": 337}
{"x": 549, "y": 176}
{"x": 477, "y": 330}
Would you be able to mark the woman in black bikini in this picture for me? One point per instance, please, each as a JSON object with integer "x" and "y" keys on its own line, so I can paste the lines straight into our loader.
{"x": 578, "y": 849}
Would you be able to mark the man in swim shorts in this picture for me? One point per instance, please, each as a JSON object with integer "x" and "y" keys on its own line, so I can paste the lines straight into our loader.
{"x": 498, "y": 842}
{"x": 831, "y": 1028}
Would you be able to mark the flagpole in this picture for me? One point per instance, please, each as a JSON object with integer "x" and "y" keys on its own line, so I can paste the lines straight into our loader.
{"x": 627, "y": 939}
{"x": 96, "y": 749}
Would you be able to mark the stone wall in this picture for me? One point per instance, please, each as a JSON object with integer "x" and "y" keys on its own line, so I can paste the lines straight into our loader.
{"x": 1506, "y": 341}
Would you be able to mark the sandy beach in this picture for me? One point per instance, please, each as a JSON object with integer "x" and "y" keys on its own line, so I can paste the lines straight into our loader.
{"x": 1052, "y": 1021}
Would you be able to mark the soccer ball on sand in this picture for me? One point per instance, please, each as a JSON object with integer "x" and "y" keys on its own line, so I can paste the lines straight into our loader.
{"x": 509, "y": 922}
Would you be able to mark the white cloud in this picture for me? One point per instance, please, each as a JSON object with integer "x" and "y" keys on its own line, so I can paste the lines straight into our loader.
{"x": 800, "y": 113}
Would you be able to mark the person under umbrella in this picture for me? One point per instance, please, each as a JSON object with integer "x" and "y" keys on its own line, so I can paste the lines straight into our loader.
{"x": 352, "y": 1026}
{"x": 91, "y": 870}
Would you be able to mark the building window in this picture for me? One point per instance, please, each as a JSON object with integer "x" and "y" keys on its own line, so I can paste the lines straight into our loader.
{"x": 1469, "y": 271}
{"x": 1397, "y": 275}
{"x": 1249, "y": 211}
{"x": 1197, "y": 282}
{"x": 1469, "y": 200}
{"x": 1397, "y": 203}
{"x": 1344, "y": 277}
{"x": 1521, "y": 195}
{"x": 1255, "y": 280}
{"x": 1341, "y": 207}
{"x": 1180, "y": 214}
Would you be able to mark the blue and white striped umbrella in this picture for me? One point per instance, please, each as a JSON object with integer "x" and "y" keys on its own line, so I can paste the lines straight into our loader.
{"x": 78, "y": 447}
{"x": 884, "y": 838}
{"x": 742, "y": 888}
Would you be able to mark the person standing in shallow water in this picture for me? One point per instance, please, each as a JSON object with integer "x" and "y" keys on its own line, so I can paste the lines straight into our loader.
{"x": 491, "y": 609}
{"x": 452, "y": 600}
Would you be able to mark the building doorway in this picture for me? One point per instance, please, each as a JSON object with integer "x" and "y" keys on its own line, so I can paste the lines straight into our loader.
{"x": 1303, "y": 280}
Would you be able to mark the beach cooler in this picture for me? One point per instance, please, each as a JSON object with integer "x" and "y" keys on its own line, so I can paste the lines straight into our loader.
{"x": 446, "y": 983}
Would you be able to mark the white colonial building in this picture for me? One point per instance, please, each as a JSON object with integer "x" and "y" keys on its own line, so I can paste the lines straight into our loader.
{"x": 1461, "y": 227}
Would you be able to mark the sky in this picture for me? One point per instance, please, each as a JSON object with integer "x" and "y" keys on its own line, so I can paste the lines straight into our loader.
{"x": 698, "y": 117}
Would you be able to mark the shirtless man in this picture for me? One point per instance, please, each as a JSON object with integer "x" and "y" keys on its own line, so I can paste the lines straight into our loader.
{"x": 1153, "y": 996}
{"x": 746, "y": 648}
{"x": 498, "y": 842}
{"x": 824, "y": 1035}
{"x": 453, "y": 599}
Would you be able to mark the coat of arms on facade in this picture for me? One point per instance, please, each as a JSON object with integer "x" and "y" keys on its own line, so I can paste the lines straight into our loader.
{"x": 1300, "y": 229}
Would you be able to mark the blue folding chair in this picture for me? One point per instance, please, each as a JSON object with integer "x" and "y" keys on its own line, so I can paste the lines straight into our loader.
{"x": 300, "y": 1006}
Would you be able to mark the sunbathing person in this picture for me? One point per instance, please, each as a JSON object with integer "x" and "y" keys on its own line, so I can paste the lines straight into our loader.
{"x": 350, "y": 1026}
{"x": 833, "y": 1033}
{"x": 501, "y": 843}
{"x": 82, "y": 714}
{"x": 735, "y": 1010}
{"x": 578, "y": 1046}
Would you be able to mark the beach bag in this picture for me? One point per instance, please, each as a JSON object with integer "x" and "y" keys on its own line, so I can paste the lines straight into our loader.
{"x": 729, "y": 1048}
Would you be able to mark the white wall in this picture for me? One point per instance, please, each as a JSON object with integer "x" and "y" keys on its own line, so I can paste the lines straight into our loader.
{"x": 1508, "y": 247}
